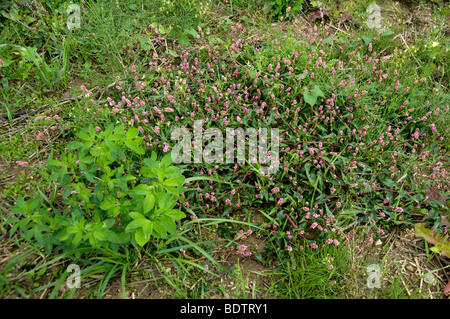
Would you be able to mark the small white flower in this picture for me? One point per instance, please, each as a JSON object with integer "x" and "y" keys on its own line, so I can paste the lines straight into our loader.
{"x": 435, "y": 44}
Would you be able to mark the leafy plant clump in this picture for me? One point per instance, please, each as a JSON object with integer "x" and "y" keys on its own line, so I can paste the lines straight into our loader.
{"x": 103, "y": 198}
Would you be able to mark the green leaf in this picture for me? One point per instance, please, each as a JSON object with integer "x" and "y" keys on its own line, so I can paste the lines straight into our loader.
{"x": 386, "y": 33}
{"x": 328, "y": 40}
{"x": 74, "y": 145}
{"x": 183, "y": 39}
{"x": 100, "y": 235}
{"x": 141, "y": 238}
{"x": 177, "y": 181}
{"x": 132, "y": 133}
{"x": 147, "y": 229}
{"x": 192, "y": 32}
{"x": 135, "y": 224}
{"x": 112, "y": 237}
{"x": 309, "y": 98}
{"x": 169, "y": 224}
{"x": 136, "y": 215}
{"x": 173, "y": 171}
{"x": 54, "y": 162}
{"x": 164, "y": 200}
{"x": 159, "y": 230}
{"x": 107, "y": 204}
{"x": 161, "y": 172}
{"x": 135, "y": 148}
{"x": 317, "y": 91}
{"x": 142, "y": 189}
{"x": 367, "y": 39}
{"x": 176, "y": 214}
{"x": 117, "y": 137}
{"x": 77, "y": 238}
{"x": 83, "y": 136}
{"x": 166, "y": 160}
{"x": 149, "y": 203}
{"x": 108, "y": 223}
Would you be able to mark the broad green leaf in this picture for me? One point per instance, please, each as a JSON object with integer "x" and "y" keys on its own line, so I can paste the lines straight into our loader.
{"x": 147, "y": 229}
{"x": 328, "y": 40}
{"x": 142, "y": 189}
{"x": 183, "y": 39}
{"x": 107, "y": 204}
{"x": 117, "y": 137}
{"x": 135, "y": 224}
{"x": 112, "y": 237}
{"x": 136, "y": 215}
{"x": 177, "y": 181}
{"x": 159, "y": 230}
{"x": 317, "y": 91}
{"x": 169, "y": 224}
{"x": 132, "y": 133}
{"x": 386, "y": 33}
{"x": 166, "y": 160}
{"x": 108, "y": 223}
{"x": 135, "y": 148}
{"x": 176, "y": 214}
{"x": 83, "y": 136}
{"x": 141, "y": 238}
{"x": 74, "y": 145}
{"x": 192, "y": 32}
{"x": 161, "y": 172}
{"x": 100, "y": 235}
{"x": 173, "y": 171}
{"x": 164, "y": 200}
{"x": 54, "y": 162}
{"x": 149, "y": 203}
{"x": 367, "y": 39}
{"x": 309, "y": 98}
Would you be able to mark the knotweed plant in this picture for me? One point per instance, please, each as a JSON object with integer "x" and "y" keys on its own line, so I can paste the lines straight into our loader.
{"x": 353, "y": 133}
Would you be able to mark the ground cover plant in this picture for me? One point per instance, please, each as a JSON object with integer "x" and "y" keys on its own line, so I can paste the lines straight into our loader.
{"x": 360, "y": 142}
